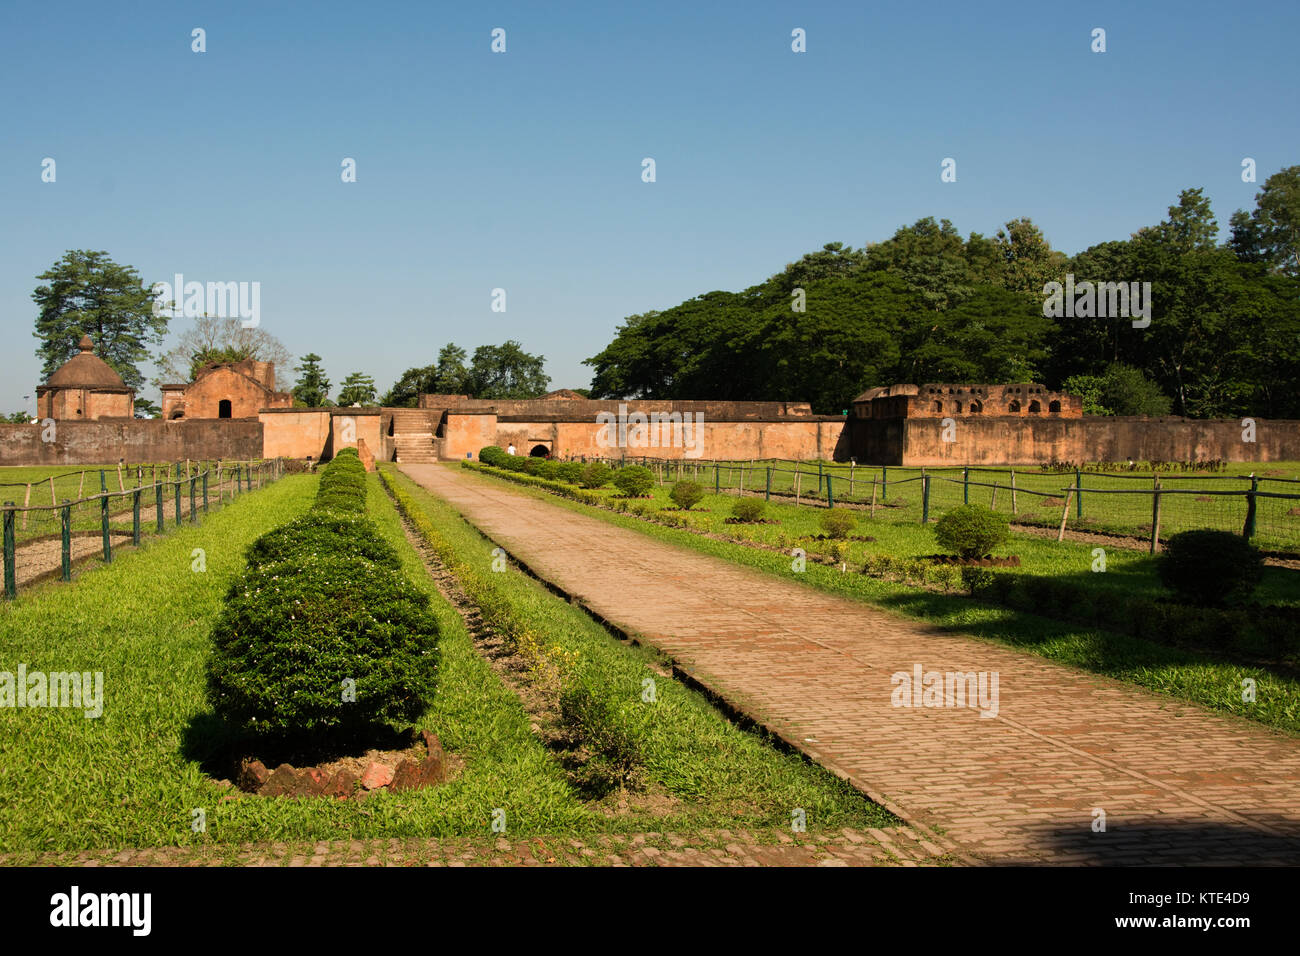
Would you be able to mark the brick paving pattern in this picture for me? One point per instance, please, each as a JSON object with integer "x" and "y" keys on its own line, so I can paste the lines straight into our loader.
{"x": 898, "y": 846}
{"x": 1177, "y": 784}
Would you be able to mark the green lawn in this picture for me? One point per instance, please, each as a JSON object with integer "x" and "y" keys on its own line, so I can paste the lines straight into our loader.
{"x": 1184, "y": 674}
{"x": 134, "y": 776}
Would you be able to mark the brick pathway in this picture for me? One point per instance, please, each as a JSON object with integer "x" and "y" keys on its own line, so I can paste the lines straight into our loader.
{"x": 1177, "y": 784}
{"x": 897, "y": 846}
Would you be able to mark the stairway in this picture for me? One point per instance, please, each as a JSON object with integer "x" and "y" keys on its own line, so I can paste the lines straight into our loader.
{"x": 413, "y": 436}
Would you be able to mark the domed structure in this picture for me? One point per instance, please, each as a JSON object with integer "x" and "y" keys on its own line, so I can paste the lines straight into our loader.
{"x": 85, "y": 387}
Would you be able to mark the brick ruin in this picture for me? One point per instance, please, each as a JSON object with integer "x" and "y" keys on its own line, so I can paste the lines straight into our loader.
{"x": 233, "y": 410}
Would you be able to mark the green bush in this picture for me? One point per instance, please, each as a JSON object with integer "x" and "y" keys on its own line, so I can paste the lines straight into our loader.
{"x": 1210, "y": 568}
{"x": 549, "y": 470}
{"x": 517, "y": 463}
{"x": 837, "y": 523}
{"x": 292, "y": 633}
{"x": 748, "y": 509}
{"x": 491, "y": 454}
{"x": 569, "y": 471}
{"x": 971, "y": 531}
{"x": 341, "y": 499}
{"x": 634, "y": 481}
{"x": 687, "y": 494}
{"x": 616, "y": 757}
{"x": 533, "y": 466}
{"x": 595, "y": 475}
{"x": 324, "y": 532}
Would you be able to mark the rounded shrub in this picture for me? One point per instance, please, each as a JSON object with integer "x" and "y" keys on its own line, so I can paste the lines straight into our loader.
{"x": 687, "y": 494}
{"x": 748, "y": 509}
{"x": 595, "y": 475}
{"x": 491, "y": 454}
{"x": 1210, "y": 567}
{"x": 296, "y": 639}
{"x": 516, "y": 462}
{"x": 634, "y": 481}
{"x": 324, "y": 532}
{"x": 837, "y": 523}
{"x": 971, "y": 531}
{"x": 341, "y": 499}
{"x": 569, "y": 471}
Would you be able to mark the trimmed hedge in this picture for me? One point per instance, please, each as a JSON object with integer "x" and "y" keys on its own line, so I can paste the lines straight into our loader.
{"x": 634, "y": 481}
{"x": 1210, "y": 568}
{"x": 748, "y": 509}
{"x": 971, "y": 531}
{"x": 324, "y": 532}
{"x": 687, "y": 494}
{"x": 595, "y": 475}
{"x": 293, "y": 632}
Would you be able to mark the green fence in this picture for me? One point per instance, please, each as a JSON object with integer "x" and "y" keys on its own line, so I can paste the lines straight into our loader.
{"x": 1149, "y": 506}
{"x": 43, "y": 540}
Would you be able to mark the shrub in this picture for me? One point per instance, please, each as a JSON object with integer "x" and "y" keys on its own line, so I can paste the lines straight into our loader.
{"x": 517, "y": 463}
{"x": 837, "y": 523}
{"x": 616, "y": 756}
{"x": 548, "y": 469}
{"x": 971, "y": 531}
{"x": 533, "y": 466}
{"x": 324, "y": 532}
{"x": 569, "y": 471}
{"x": 341, "y": 499}
{"x": 291, "y": 633}
{"x": 491, "y": 455}
{"x": 686, "y": 494}
{"x": 748, "y": 509}
{"x": 595, "y": 475}
{"x": 1210, "y": 567}
{"x": 634, "y": 481}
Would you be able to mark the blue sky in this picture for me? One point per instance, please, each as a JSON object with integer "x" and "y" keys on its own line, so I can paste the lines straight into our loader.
{"x": 522, "y": 170}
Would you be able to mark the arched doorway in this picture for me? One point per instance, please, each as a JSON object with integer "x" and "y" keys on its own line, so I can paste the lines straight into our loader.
{"x": 540, "y": 451}
{"x": 223, "y": 408}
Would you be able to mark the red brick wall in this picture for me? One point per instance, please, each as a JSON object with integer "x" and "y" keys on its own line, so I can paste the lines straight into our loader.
{"x": 98, "y": 443}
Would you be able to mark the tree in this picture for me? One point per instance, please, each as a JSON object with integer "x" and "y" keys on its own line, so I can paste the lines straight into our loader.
{"x": 16, "y": 418}
{"x": 212, "y": 339}
{"x": 1191, "y": 225}
{"x": 144, "y": 408}
{"x": 506, "y": 371}
{"x": 90, "y": 294}
{"x": 357, "y": 389}
{"x": 1028, "y": 259}
{"x": 930, "y": 256}
{"x": 1122, "y": 390}
{"x": 1271, "y": 233}
{"x": 406, "y": 391}
{"x": 451, "y": 376}
{"x": 312, "y": 388}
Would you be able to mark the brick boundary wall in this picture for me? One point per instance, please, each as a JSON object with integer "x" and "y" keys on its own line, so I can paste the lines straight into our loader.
{"x": 104, "y": 442}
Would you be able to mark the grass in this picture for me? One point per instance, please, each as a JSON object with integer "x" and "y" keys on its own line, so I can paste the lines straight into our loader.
{"x": 714, "y": 772}
{"x": 134, "y": 776}
{"x": 1177, "y": 673}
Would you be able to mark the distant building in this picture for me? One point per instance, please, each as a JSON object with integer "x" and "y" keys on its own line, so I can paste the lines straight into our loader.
{"x": 225, "y": 390}
{"x": 85, "y": 388}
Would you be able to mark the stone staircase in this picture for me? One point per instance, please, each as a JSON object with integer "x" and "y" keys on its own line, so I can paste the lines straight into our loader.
{"x": 413, "y": 436}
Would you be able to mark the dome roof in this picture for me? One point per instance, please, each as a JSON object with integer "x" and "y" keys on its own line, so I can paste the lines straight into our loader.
{"x": 86, "y": 370}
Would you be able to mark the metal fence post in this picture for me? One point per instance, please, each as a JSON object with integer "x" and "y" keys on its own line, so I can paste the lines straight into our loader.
{"x": 103, "y": 524}
{"x": 830, "y": 498}
{"x": 205, "y": 492}
{"x": 135, "y": 517}
{"x": 965, "y": 485}
{"x": 177, "y": 480}
{"x": 717, "y": 478}
{"x": 159, "y": 517}
{"x": 11, "y": 580}
{"x": 767, "y": 493}
{"x": 1078, "y": 494}
{"x": 1248, "y": 531}
{"x": 65, "y": 539}
{"x": 194, "y": 511}
{"x": 1155, "y": 514}
{"x": 925, "y": 499}
{"x": 884, "y": 482}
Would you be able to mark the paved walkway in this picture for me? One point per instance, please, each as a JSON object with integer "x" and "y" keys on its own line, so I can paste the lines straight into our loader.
{"x": 896, "y": 846}
{"x": 1176, "y": 783}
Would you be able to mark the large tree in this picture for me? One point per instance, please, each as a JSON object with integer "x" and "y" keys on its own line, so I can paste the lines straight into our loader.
{"x": 87, "y": 293}
{"x": 312, "y": 388}
{"x": 506, "y": 371}
{"x": 357, "y": 389}
{"x": 1271, "y": 232}
{"x": 212, "y": 339}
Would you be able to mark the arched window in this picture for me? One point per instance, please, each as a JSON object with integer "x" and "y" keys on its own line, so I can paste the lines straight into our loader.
{"x": 223, "y": 408}
{"x": 1013, "y": 406}
{"x": 976, "y": 407}
{"x": 1054, "y": 408}
{"x": 956, "y": 407}
{"x": 938, "y": 406}
{"x": 1034, "y": 407}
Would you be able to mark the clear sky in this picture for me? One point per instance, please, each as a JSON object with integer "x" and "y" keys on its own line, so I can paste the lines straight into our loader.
{"x": 522, "y": 170}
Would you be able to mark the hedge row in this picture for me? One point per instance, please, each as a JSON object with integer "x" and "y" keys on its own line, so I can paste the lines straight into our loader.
{"x": 323, "y": 637}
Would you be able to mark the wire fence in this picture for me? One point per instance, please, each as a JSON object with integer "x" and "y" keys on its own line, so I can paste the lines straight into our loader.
{"x": 1263, "y": 509}
{"x": 42, "y": 540}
